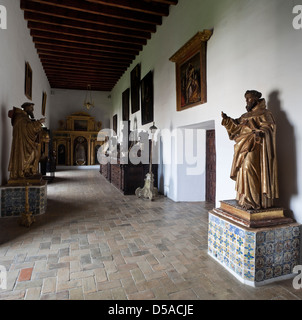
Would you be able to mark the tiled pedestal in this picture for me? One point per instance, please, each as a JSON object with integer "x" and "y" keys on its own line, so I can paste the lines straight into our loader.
{"x": 254, "y": 256}
{"x": 13, "y": 199}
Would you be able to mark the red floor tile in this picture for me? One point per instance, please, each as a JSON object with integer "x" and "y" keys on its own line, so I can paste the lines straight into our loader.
{"x": 25, "y": 274}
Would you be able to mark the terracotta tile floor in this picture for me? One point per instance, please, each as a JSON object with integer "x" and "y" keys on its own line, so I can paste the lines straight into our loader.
{"x": 95, "y": 243}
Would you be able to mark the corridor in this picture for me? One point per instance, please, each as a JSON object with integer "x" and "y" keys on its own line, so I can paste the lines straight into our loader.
{"x": 93, "y": 243}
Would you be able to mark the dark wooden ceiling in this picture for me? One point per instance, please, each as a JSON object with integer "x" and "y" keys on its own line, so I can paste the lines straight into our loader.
{"x": 91, "y": 42}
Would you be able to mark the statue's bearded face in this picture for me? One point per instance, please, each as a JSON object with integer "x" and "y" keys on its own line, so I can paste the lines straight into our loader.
{"x": 251, "y": 101}
{"x": 30, "y": 111}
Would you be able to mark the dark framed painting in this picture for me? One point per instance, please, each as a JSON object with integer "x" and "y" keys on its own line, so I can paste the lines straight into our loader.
{"x": 147, "y": 98}
{"x": 44, "y": 98}
{"x": 114, "y": 124}
{"x": 135, "y": 79}
{"x": 28, "y": 81}
{"x": 80, "y": 125}
{"x": 191, "y": 78}
{"x": 125, "y": 104}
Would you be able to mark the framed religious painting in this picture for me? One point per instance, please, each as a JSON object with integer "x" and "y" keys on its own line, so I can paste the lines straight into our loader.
{"x": 28, "y": 81}
{"x": 125, "y": 104}
{"x": 80, "y": 125}
{"x": 135, "y": 79}
{"x": 191, "y": 78}
{"x": 44, "y": 98}
{"x": 147, "y": 110}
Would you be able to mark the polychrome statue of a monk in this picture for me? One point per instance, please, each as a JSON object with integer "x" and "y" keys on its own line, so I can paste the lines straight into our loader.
{"x": 25, "y": 151}
{"x": 254, "y": 166}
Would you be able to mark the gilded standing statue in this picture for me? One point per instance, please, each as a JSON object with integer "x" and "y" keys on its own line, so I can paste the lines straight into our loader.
{"x": 254, "y": 166}
{"x": 25, "y": 150}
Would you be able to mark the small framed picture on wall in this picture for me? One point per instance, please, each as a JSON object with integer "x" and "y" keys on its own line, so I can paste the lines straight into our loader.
{"x": 147, "y": 98}
{"x": 44, "y": 98}
{"x": 125, "y": 104}
{"x": 191, "y": 78}
{"x": 28, "y": 81}
{"x": 135, "y": 88}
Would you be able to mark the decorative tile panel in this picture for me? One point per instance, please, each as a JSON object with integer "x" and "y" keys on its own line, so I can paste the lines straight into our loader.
{"x": 254, "y": 255}
{"x": 13, "y": 200}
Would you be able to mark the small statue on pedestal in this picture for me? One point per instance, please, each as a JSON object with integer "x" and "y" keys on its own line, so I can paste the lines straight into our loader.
{"x": 253, "y": 259}
{"x": 25, "y": 150}
{"x": 25, "y": 154}
{"x": 254, "y": 165}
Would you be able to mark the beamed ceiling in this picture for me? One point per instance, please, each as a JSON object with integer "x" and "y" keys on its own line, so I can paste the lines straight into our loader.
{"x": 91, "y": 42}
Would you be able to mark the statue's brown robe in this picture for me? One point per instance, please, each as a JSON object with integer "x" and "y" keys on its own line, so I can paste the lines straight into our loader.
{"x": 24, "y": 157}
{"x": 254, "y": 166}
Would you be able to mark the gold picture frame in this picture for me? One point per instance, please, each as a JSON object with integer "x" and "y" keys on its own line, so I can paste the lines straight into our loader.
{"x": 191, "y": 78}
{"x": 28, "y": 81}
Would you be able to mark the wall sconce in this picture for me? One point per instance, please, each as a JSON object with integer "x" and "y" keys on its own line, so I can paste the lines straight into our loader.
{"x": 88, "y": 103}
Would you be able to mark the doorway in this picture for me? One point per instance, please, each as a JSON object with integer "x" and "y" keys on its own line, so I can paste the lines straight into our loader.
{"x": 210, "y": 166}
{"x": 190, "y": 182}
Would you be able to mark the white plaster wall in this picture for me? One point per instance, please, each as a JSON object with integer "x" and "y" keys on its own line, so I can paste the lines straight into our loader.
{"x": 65, "y": 102}
{"x": 16, "y": 47}
{"x": 254, "y": 46}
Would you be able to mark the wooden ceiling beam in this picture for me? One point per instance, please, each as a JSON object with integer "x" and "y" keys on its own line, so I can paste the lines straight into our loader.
{"x": 160, "y": 9}
{"x": 53, "y": 70}
{"x": 170, "y": 2}
{"x": 87, "y": 63}
{"x": 89, "y": 72}
{"x": 81, "y": 42}
{"x": 62, "y": 38}
{"x": 73, "y": 87}
{"x": 88, "y": 52}
{"x": 108, "y": 82}
{"x": 87, "y": 81}
{"x": 69, "y": 15}
{"x": 77, "y": 45}
{"x": 94, "y": 9}
{"x": 85, "y": 25}
{"x": 86, "y": 34}
{"x": 83, "y": 84}
{"x": 83, "y": 81}
{"x": 82, "y": 59}
{"x": 66, "y": 69}
{"x": 85, "y": 57}
{"x": 63, "y": 66}
{"x": 84, "y": 69}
